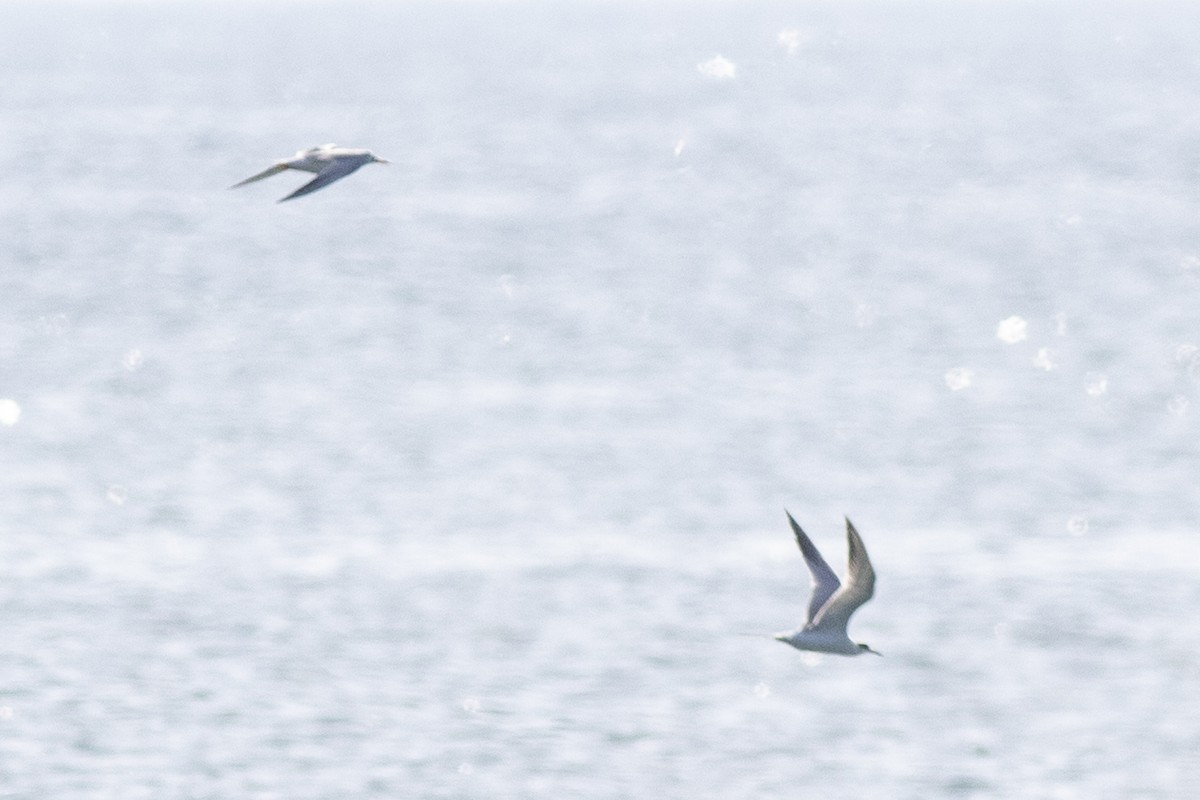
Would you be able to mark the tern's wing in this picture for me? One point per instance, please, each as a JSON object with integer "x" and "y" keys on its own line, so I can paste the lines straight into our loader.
{"x": 266, "y": 173}
{"x": 860, "y": 585}
{"x": 335, "y": 171}
{"x": 824, "y": 581}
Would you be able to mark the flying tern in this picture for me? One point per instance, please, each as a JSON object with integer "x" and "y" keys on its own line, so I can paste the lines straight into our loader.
{"x": 832, "y": 602}
{"x": 329, "y": 161}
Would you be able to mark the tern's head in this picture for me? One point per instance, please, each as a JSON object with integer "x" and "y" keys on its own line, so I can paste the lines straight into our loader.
{"x": 862, "y": 648}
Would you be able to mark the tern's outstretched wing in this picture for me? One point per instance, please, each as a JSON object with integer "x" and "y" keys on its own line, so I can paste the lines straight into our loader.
{"x": 824, "y": 581}
{"x": 860, "y": 585}
{"x": 266, "y": 173}
{"x": 335, "y": 171}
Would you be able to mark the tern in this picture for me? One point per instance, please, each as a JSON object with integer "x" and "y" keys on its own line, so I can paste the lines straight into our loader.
{"x": 330, "y": 162}
{"x": 832, "y": 602}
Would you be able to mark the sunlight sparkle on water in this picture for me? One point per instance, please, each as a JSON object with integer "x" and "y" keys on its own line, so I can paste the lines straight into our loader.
{"x": 959, "y": 378}
{"x": 53, "y": 324}
{"x": 791, "y": 39}
{"x": 865, "y": 315}
{"x": 10, "y": 412}
{"x": 1012, "y": 330}
{"x": 1044, "y": 360}
{"x": 1187, "y": 356}
{"x": 718, "y": 68}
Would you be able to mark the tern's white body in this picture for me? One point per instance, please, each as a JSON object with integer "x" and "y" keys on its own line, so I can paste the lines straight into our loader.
{"x": 329, "y": 161}
{"x": 832, "y": 603}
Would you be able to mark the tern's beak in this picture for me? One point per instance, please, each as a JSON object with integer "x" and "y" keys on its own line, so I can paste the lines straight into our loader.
{"x": 379, "y": 160}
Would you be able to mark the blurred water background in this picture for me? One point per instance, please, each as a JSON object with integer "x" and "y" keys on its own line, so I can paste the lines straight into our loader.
{"x": 460, "y": 478}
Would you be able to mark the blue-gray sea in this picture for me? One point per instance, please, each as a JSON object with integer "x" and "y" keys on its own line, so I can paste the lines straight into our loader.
{"x": 465, "y": 476}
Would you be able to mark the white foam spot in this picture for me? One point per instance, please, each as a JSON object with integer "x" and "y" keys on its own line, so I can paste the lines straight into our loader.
{"x": 1060, "y": 324}
{"x": 1077, "y": 525}
{"x": 678, "y": 149}
{"x": 471, "y": 705}
{"x": 507, "y": 284}
{"x": 1044, "y": 359}
{"x": 959, "y": 378}
{"x": 132, "y": 360}
{"x": 1178, "y": 405}
{"x": 1012, "y": 330}
{"x": 1096, "y": 384}
{"x": 718, "y": 68}
{"x": 466, "y": 769}
{"x": 762, "y": 690}
{"x": 10, "y": 412}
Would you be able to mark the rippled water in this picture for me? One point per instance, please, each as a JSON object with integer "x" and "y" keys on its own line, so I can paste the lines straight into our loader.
{"x": 462, "y": 477}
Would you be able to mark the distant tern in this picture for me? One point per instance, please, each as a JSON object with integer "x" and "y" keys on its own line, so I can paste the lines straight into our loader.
{"x": 832, "y": 602}
{"x": 329, "y": 161}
